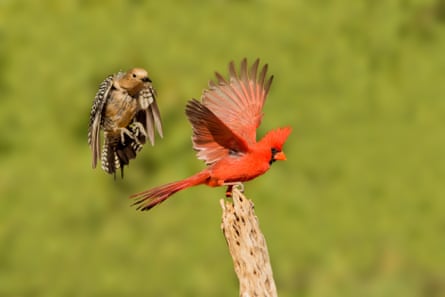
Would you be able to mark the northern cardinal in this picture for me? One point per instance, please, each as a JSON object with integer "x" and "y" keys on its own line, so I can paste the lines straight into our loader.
{"x": 224, "y": 127}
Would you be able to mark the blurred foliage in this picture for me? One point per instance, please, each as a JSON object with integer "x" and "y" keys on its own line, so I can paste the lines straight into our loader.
{"x": 357, "y": 210}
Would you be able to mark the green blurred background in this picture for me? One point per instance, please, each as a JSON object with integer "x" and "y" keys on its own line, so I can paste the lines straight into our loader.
{"x": 357, "y": 210}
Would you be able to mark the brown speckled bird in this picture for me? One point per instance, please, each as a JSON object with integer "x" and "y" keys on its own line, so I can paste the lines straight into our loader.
{"x": 125, "y": 109}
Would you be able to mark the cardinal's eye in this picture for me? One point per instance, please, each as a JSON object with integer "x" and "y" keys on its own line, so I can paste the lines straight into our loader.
{"x": 272, "y": 158}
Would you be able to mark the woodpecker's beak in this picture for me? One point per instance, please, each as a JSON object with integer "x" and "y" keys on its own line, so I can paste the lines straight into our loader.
{"x": 146, "y": 79}
{"x": 280, "y": 156}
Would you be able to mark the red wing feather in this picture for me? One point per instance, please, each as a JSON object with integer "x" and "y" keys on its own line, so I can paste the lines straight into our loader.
{"x": 211, "y": 137}
{"x": 239, "y": 101}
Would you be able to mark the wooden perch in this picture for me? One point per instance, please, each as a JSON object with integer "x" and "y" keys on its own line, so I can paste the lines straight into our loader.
{"x": 247, "y": 247}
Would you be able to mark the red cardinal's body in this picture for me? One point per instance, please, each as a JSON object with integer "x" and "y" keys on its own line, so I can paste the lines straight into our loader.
{"x": 224, "y": 134}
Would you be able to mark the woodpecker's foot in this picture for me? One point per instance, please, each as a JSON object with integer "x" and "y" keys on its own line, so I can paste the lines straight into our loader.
{"x": 137, "y": 128}
{"x": 125, "y": 131}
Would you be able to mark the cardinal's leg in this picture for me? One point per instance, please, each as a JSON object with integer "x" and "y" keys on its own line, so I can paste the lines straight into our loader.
{"x": 229, "y": 191}
{"x": 230, "y": 186}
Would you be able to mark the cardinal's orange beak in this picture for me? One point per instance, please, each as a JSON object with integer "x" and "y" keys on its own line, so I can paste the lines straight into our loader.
{"x": 280, "y": 156}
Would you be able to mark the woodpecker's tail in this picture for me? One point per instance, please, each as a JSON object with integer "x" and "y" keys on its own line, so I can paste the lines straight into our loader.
{"x": 109, "y": 157}
{"x": 116, "y": 154}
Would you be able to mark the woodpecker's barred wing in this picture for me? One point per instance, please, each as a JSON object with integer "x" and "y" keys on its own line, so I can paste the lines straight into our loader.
{"x": 239, "y": 101}
{"x": 149, "y": 115}
{"x": 96, "y": 117}
{"x": 147, "y": 119}
{"x": 211, "y": 137}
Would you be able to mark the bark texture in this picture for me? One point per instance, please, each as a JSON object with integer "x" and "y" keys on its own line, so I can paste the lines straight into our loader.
{"x": 247, "y": 247}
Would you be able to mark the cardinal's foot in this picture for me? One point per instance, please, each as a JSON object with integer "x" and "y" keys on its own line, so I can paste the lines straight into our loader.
{"x": 230, "y": 186}
{"x": 229, "y": 191}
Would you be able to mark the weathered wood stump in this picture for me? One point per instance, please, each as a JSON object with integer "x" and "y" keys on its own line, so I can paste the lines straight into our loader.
{"x": 247, "y": 246}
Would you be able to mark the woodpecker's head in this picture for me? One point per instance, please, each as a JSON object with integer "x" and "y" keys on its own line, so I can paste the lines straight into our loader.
{"x": 134, "y": 80}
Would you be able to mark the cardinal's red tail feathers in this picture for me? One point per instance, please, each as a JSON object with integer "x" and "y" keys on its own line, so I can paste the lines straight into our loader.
{"x": 150, "y": 198}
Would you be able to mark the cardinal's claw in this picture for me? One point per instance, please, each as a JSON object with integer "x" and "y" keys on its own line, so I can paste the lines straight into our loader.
{"x": 240, "y": 187}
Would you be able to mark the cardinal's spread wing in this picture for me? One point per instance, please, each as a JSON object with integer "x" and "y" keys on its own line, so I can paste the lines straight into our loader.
{"x": 96, "y": 117}
{"x": 211, "y": 137}
{"x": 238, "y": 102}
